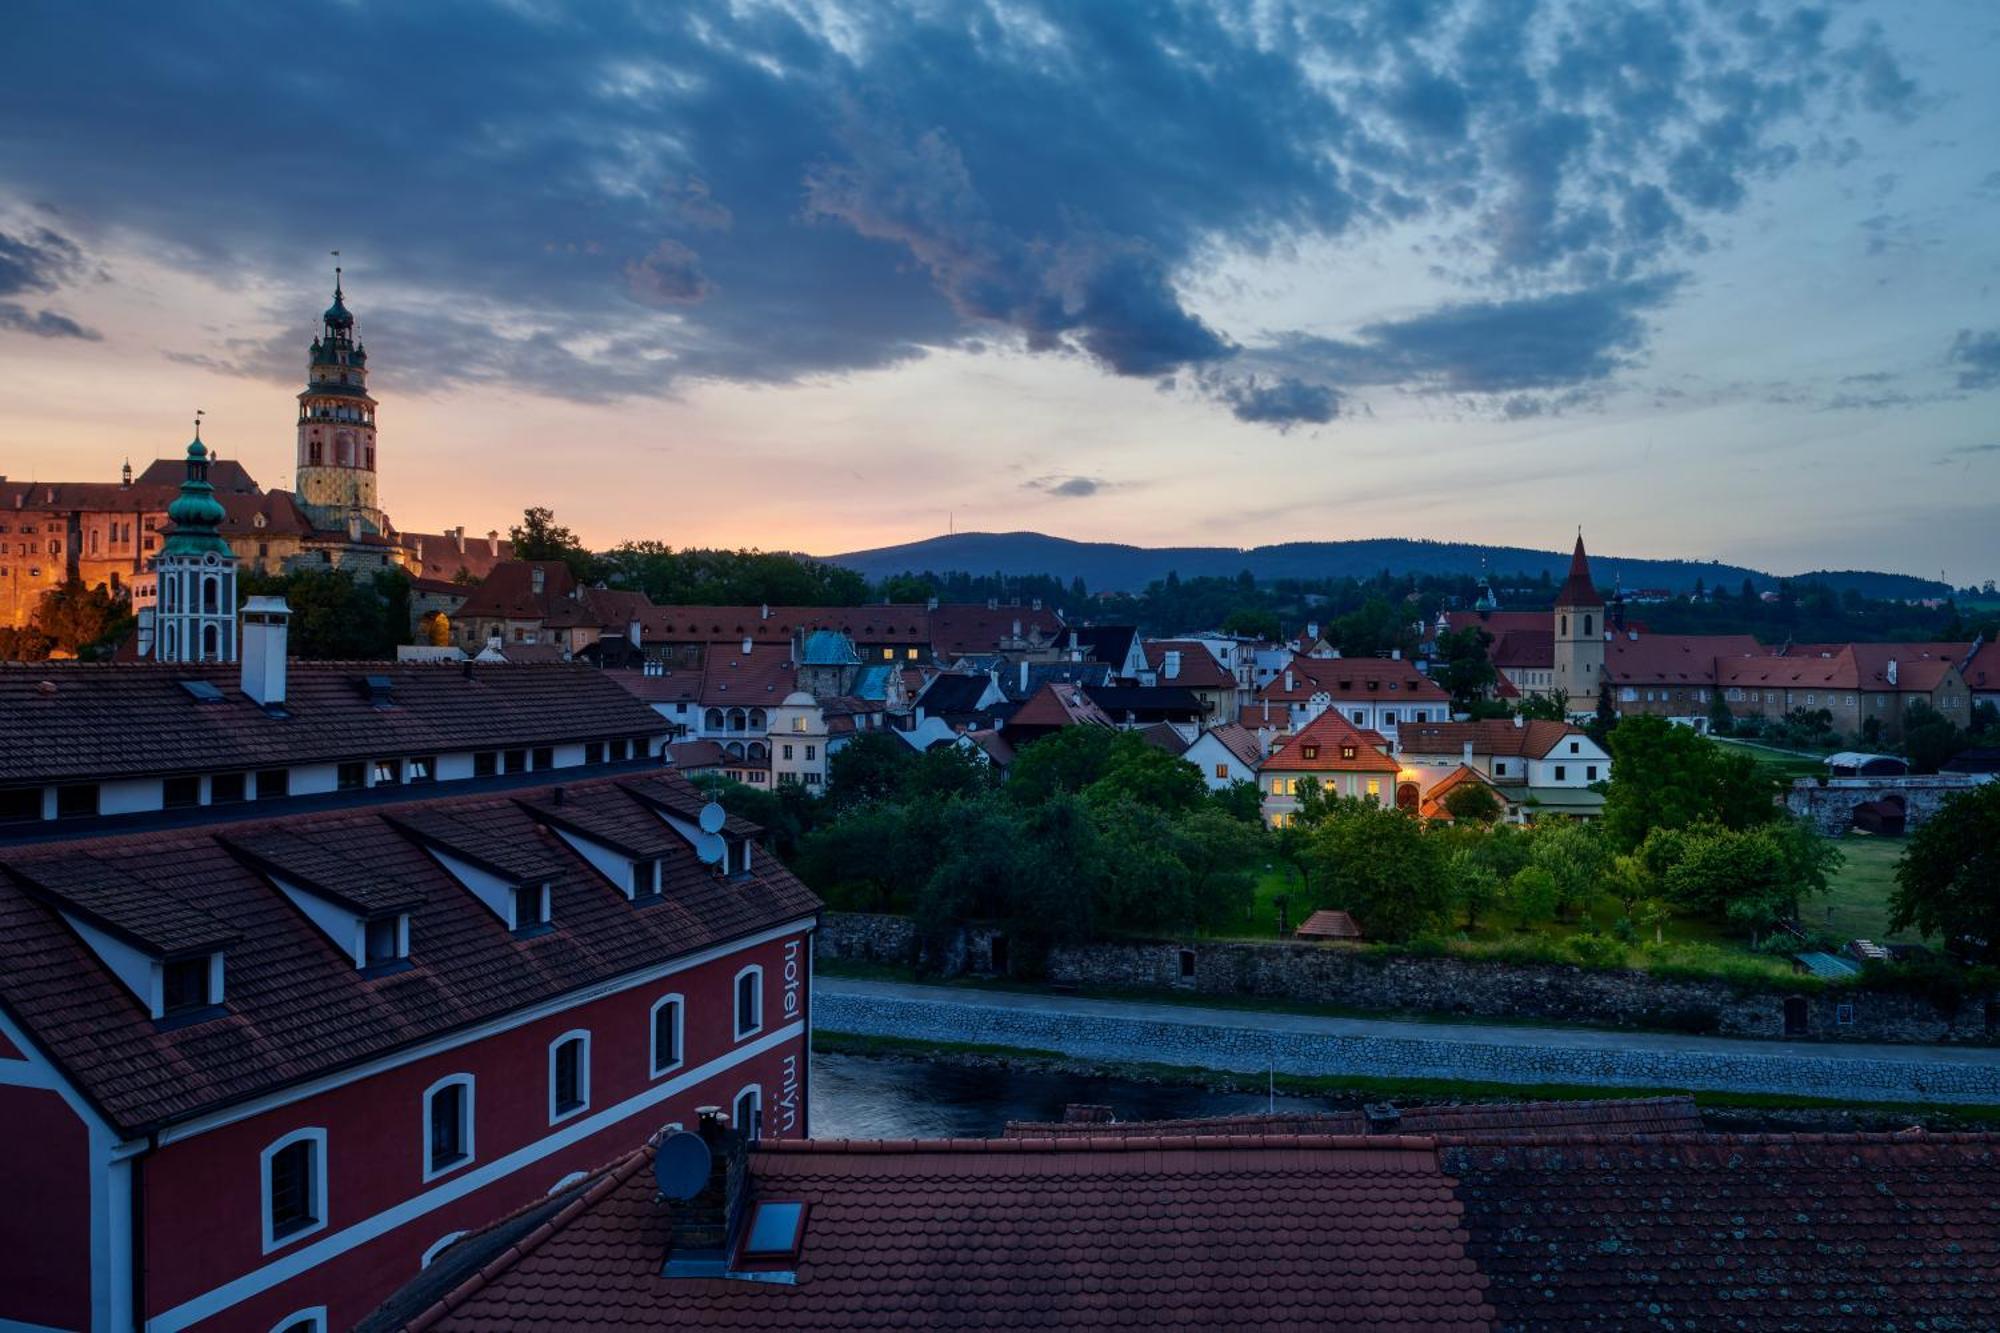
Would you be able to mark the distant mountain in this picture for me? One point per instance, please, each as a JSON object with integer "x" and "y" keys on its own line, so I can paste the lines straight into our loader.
{"x": 1111, "y": 567}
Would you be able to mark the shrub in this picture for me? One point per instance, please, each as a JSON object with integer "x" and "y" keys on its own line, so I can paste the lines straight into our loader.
{"x": 1595, "y": 950}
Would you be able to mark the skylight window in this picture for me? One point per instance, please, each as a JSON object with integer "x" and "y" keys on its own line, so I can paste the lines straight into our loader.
{"x": 202, "y": 691}
{"x": 776, "y": 1229}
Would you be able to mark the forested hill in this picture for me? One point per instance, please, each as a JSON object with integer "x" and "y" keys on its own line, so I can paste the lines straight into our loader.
{"x": 1110, "y": 567}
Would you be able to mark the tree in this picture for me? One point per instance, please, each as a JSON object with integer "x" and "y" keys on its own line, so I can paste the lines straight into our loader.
{"x": 1067, "y": 760}
{"x": 81, "y": 621}
{"x": 1546, "y": 705}
{"x": 336, "y": 617}
{"x": 1751, "y": 878}
{"x": 1667, "y": 776}
{"x": 1474, "y": 886}
{"x": 1473, "y": 802}
{"x": 539, "y": 537}
{"x": 1531, "y": 895}
{"x": 1378, "y": 864}
{"x": 1948, "y": 880}
{"x": 1241, "y": 801}
{"x": 1463, "y": 668}
{"x": 1252, "y": 623}
{"x": 1929, "y": 738}
{"x": 1720, "y": 720}
{"x": 1149, "y": 775}
{"x": 24, "y": 644}
{"x": 1574, "y": 856}
{"x": 871, "y": 767}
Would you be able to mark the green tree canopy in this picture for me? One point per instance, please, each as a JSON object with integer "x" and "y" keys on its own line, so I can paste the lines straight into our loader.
{"x": 81, "y": 621}
{"x": 1667, "y": 776}
{"x": 1948, "y": 880}
{"x": 1380, "y": 865}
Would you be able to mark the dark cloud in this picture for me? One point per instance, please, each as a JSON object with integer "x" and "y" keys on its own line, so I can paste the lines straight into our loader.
{"x": 1977, "y": 354}
{"x": 761, "y": 193}
{"x": 40, "y": 260}
{"x": 1069, "y": 487}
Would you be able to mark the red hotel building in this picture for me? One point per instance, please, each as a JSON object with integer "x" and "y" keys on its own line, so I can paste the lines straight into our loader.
{"x": 258, "y": 1071}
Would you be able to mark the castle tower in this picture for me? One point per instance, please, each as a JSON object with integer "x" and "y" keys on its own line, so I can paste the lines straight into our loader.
{"x": 195, "y": 613}
{"x": 1579, "y": 635}
{"x": 336, "y": 462}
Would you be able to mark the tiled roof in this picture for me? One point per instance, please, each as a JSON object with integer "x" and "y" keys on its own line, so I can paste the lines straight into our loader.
{"x": 1094, "y": 1233}
{"x": 1982, "y": 671}
{"x": 1673, "y": 659}
{"x": 124, "y": 905}
{"x": 686, "y": 755}
{"x": 961, "y": 628}
{"x": 1920, "y": 667}
{"x": 952, "y": 692}
{"x": 1117, "y": 700}
{"x": 322, "y": 864}
{"x": 101, "y": 721}
{"x": 1198, "y": 670}
{"x": 1058, "y": 705}
{"x": 1500, "y": 623}
{"x": 899, "y": 623}
{"x": 1162, "y": 736}
{"x": 1324, "y": 737}
{"x": 1620, "y": 1226}
{"x": 1829, "y": 1233}
{"x": 1329, "y": 924}
{"x": 1577, "y": 589}
{"x": 1594, "y": 1118}
{"x": 1433, "y": 806}
{"x": 760, "y": 678}
{"x": 1525, "y": 649}
{"x": 1383, "y": 679}
{"x": 669, "y": 686}
{"x": 1109, "y": 644}
{"x": 1533, "y": 739}
{"x": 508, "y": 591}
{"x": 444, "y": 555}
{"x": 1241, "y": 742}
{"x": 295, "y": 1005}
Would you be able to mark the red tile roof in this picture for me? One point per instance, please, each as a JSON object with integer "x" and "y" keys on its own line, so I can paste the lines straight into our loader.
{"x": 1058, "y": 704}
{"x": 1317, "y": 749}
{"x": 1673, "y": 659}
{"x": 1199, "y": 670}
{"x": 1386, "y": 680}
{"x": 1593, "y": 1118}
{"x": 1534, "y": 738}
{"x": 1090, "y": 1233}
{"x": 898, "y": 623}
{"x": 962, "y": 629}
{"x": 1982, "y": 672}
{"x": 1525, "y": 649}
{"x": 1500, "y": 623}
{"x": 443, "y": 555}
{"x": 128, "y": 719}
{"x": 1433, "y": 806}
{"x": 295, "y": 1006}
{"x": 761, "y": 678}
{"x": 508, "y": 592}
{"x": 1241, "y": 742}
{"x": 1329, "y": 924}
{"x": 1577, "y": 589}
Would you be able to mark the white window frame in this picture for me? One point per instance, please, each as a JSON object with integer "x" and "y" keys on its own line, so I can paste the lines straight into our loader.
{"x": 736, "y": 1003}
{"x": 754, "y": 1090}
{"x": 439, "y": 1246}
{"x": 313, "y": 1317}
{"x": 582, "y": 1072}
{"x": 653, "y": 1064}
{"x": 316, "y": 1135}
{"x": 467, "y": 1120}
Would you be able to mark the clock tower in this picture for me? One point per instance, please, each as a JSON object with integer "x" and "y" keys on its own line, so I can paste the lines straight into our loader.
{"x": 336, "y": 462}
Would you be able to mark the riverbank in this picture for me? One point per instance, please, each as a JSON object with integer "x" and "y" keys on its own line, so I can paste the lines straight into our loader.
{"x": 1720, "y": 1110}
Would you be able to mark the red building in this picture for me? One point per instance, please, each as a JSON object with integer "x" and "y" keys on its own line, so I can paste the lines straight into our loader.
{"x": 258, "y": 1072}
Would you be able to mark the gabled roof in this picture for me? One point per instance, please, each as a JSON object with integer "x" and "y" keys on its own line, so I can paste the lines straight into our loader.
{"x": 444, "y": 555}
{"x": 1058, "y": 705}
{"x": 294, "y": 1007}
{"x": 1198, "y": 668}
{"x": 1982, "y": 669}
{"x": 1162, "y": 736}
{"x": 508, "y": 591}
{"x": 954, "y": 692}
{"x": 124, "y": 905}
{"x": 1381, "y": 679}
{"x": 761, "y": 678}
{"x": 1317, "y": 749}
{"x": 1500, "y": 623}
{"x": 962, "y": 628}
{"x": 1328, "y": 924}
{"x": 1525, "y": 649}
{"x": 1433, "y": 806}
{"x": 130, "y": 719}
{"x": 1673, "y": 659}
{"x": 1534, "y": 738}
{"x": 1239, "y": 741}
{"x": 1109, "y": 644}
{"x": 322, "y": 867}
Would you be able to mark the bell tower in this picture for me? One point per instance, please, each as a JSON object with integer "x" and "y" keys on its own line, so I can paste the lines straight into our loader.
{"x": 1579, "y": 635}
{"x": 194, "y": 613}
{"x": 336, "y": 462}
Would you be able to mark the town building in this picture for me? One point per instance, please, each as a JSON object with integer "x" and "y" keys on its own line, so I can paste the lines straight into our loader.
{"x": 1226, "y": 755}
{"x": 1865, "y": 688}
{"x": 541, "y": 602}
{"x": 1055, "y": 705}
{"x": 264, "y": 1053}
{"x": 1578, "y": 642}
{"x": 1376, "y": 694}
{"x": 1538, "y": 766}
{"x": 1204, "y": 667}
{"x": 1334, "y": 753}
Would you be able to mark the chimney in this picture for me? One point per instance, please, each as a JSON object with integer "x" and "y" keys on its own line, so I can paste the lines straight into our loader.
{"x": 703, "y": 1224}
{"x": 1892, "y": 671}
{"x": 1312, "y": 629}
{"x": 931, "y": 603}
{"x": 457, "y": 536}
{"x": 1017, "y": 629}
{"x": 764, "y": 612}
{"x": 1382, "y": 1118}
{"x": 1024, "y": 676}
{"x": 1395, "y": 654}
{"x": 993, "y": 604}
{"x": 1519, "y": 721}
{"x": 493, "y": 543}
{"x": 1035, "y": 605}
{"x": 1465, "y": 756}
{"x": 1288, "y": 680}
{"x": 749, "y": 643}
{"x": 632, "y": 631}
{"x": 265, "y": 625}
{"x": 1172, "y": 669}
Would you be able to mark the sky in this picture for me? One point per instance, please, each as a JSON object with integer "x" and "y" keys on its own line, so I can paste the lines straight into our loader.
{"x": 1711, "y": 278}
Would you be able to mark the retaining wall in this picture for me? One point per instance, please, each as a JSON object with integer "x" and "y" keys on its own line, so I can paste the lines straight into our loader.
{"x": 1357, "y": 977}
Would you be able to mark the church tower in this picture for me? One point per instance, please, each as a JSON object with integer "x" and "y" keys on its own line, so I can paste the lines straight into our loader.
{"x": 1579, "y": 635}
{"x": 336, "y": 463}
{"x": 195, "y": 608}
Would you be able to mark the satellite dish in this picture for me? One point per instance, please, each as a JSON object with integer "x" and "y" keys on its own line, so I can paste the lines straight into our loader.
{"x": 710, "y": 848}
{"x": 713, "y": 817}
{"x": 681, "y": 1165}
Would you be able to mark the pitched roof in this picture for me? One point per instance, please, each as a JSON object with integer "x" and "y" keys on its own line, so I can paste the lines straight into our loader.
{"x": 1162, "y": 736}
{"x": 1673, "y": 659}
{"x": 1144, "y": 700}
{"x": 1433, "y": 805}
{"x": 1499, "y": 623}
{"x": 1058, "y": 705}
{"x": 958, "y": 629}
{"x": 508, "y": 591}
{"x": 1329, "y": 924}
{"x": 444, "y": 555}
{"x": 1592, "y": 1118}
{"x": 295, "y": 1005}
{"x": 903, "y": 623}
{"x": 1198, "y": 668}
{"x": 1982, "y": 669}
{"x": 1534, "y": 738}
{"x": 1317, "y": 746}
{"x": 1525, "y": 649}
{"x": 1577, "y": 589}
{"x": 950, "y": 692}
{"x": 1186, "y": 1233}
{"x": 1385, "y": 679}
{"x": 760, "y": 678}
{"x": 1240, "y": 741}
{"x": 128, "y": 719}
{"x": 1109, "y": 644}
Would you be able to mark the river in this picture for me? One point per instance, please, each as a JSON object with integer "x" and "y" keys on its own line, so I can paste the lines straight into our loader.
{"x": 867, "y": 1097}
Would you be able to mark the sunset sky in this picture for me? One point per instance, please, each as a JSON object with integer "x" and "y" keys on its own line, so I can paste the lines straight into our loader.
{"x": 1711, "y": 277}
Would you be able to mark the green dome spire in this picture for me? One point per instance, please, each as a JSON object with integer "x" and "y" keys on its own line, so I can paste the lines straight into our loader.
{"x": 195, "y": 513}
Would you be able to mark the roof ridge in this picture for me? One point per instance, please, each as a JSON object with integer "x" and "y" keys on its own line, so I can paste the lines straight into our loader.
{"x": 1075, "y": 1143}
{"x": 613, "y": 1176}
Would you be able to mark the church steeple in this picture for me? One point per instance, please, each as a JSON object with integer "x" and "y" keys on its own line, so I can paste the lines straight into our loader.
{"x": 194, "y": 605}
{"x": 336, "y": 454}
{"x": 1579, "y": 634}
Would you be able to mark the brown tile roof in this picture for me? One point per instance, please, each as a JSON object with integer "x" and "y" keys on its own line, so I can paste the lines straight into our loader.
{"x": 1199, "y": 669}
{"x": 1982, "y": 672}
{"x": 1595, "y": 1118}
{"x": 295, "y": 1006}
{"x": 1241, "y": 742}
{"x": 1525, "y": 649}
{"x": 1280, "y": 1232}
{"x": 128, "y": 719}
{"x": 762, "y": 678}
{"x": 960, "y": 629}
{"x": 1058, "y": 704}
{"x": 1328, "y": 924}
{"x": 1533, "y": 739}
{"x": 1382, "y": 679}
{"x": 901, "y": 623}
{"x": 1920, "y": 667}
{"x": 1433, "y": 806}
{"x": 1577, "y": 589}
{"x": 442, "y": 555}
{"x": 669, "y": 686}
{"x": 686, "y": 755}
{"x": 1673, "y": 659}
{"x": 1501, "y": 623}
{"x": 508, "y": 591}
{"x": 126, "y": 906}
{"x": 1317, "y": 749}
{"x": 1623, "y": 1226}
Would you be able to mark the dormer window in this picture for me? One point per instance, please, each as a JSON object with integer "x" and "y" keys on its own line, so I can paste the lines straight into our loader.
{"x": 531, "y": 905}
{"x": 645, "y": 878}
{"x": 421, "y": 769}
{"x": 386, "y": 940}
{"x": 1309, "y": 752}
{"x": 1347, "y": 752}
{"x": 388, "y": 772}
{"x": 188, "y": 985}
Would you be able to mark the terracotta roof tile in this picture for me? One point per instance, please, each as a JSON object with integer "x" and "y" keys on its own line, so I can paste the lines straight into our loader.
{"x": 1534, "y": 738}
{"x": 1329, "y": 744}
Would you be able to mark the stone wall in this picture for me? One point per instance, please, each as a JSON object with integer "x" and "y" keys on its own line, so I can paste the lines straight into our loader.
{"x": 1374, "y": 980}
{"x": 1116, "y": 1032}
{"x": 1829, "y": 803}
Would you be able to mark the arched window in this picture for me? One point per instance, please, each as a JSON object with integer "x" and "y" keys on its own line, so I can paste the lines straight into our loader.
{"x": 757, "y": 722}
{"x": 758, "y": 751}
{"x": 736, "y": 719}
{"x": 211, "y": 650}
{"x": 749, "y": 1002}
{"x": 734, "y": 749}
{"x": 666, "y": 1025}
{"x": 1586, "y": 626}
{"x": 294, "y": 1187}
{"x": 447, "y": 1125}
{"x": 569, "y": 1075}
{"x": 311, "y": 1320}
{"x": 713, "y": 721}
{"x": 748, "y": 1112}
{"x": 210, "y": 592}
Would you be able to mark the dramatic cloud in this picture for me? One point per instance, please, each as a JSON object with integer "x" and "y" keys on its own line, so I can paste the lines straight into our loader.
{"x": 1977, "y": 354}
{"x": 38, "y": 261}
{"x": 763, "y": 192}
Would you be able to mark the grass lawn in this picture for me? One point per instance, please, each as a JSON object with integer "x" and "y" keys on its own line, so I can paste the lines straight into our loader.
{"x": 1783, "y": 765}
{"x": 1858, "y": 906}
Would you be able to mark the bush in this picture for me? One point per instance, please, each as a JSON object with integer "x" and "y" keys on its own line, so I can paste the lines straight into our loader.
{"x": 1595, "y": 950}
